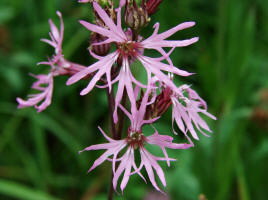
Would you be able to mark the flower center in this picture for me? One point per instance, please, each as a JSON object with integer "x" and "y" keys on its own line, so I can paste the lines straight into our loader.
{"x": 129, "y": 49}
{"x": 135, "y": 139}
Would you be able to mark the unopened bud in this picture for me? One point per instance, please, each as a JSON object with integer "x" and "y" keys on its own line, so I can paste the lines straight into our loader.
{"x": 163, "y": 101}
{"x": 99, "y": 49}
{"x": 152, "y": 6}
{"x": 160, "y": 106}
{"x": 135, "y": 17}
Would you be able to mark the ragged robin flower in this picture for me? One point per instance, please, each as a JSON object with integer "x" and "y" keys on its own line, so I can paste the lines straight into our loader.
{"x": 58, "y": 66}
{"x": 136, "y": 141}
{"x": 129, "y": 49}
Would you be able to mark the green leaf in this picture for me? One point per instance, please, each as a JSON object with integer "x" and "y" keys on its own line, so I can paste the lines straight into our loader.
{"x": 20, "y": 191}
{"x": 6, "y": 13}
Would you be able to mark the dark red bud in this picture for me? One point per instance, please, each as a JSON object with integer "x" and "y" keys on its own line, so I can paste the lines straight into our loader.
{"x": 152, "y": 6}
{"x": 162, "y": 102}
{"x": 160, "y": 106}
{"x": 102, "y": 49}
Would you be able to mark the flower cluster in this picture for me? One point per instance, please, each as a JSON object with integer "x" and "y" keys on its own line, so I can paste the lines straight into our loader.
{"x": 148, "y": 101}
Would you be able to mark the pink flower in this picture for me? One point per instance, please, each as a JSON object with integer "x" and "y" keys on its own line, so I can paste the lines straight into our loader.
{"x": 58, "y": 66}
{"x": 56, "y": 35}
{"x": 129, "y": 49}
{"x": 134, "y": 140}
{"x": 186, "y": 111}
{"x": 45, "y": 95}
{"x": 158, "y": 41}
{"x": 127, "y": 161}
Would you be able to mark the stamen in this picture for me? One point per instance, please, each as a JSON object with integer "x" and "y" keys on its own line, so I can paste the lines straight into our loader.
{"x": 129, "y": 49}
{"x": 136, "y": 139}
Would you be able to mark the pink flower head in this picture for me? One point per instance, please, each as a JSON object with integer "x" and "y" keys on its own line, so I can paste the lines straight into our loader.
{"x": 129, "y": 49}
{"x": 134, "y": 140}
{"x": 45, "y": 95}
{"x": 186, "y": 111}
{"x": 158, "y": 41}
{"x": 127, "y": 161}
{"x": 56, "y": 37}
{"x": 58, "y": 66}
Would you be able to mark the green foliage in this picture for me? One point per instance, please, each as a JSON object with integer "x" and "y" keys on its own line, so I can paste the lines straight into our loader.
{"x": 21, "y": 192}
{"x": 39, "y": 158}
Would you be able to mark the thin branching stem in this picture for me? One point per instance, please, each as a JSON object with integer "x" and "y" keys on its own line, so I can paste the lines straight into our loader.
{"x": 121, "y": 118}
{"x": 116, "y": 130}
{"x": 110, "y": 98}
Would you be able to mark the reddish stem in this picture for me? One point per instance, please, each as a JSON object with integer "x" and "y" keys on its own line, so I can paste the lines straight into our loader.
{"x": 116, "y": 131}
{"x": 110, "y": 98}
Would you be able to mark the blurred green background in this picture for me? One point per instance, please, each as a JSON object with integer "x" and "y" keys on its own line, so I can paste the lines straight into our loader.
{"x": 39, "y": 159}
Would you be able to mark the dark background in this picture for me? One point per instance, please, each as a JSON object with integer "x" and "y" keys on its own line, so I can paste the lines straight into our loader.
{"x": 39, "y": 159}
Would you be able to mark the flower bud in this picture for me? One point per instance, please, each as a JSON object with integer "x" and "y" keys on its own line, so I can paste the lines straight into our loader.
{"x": 102, "y": 49}
{"x": 152, "y": 6}
{"x": 135, "y": 17}
{"x": 162, "y": 102}
{"x": 160, "y": 105}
